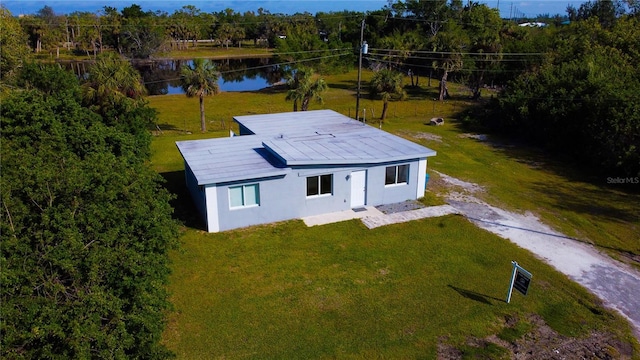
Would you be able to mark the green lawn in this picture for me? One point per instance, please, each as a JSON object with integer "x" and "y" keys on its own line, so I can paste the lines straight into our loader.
{"x": 340, "y": 290}
{"x": 207, "y": 50}
{"x": 287, "y": 291}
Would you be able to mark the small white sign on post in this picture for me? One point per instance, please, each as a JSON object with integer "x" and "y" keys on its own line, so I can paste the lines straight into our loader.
{"x": 520, "y": 280}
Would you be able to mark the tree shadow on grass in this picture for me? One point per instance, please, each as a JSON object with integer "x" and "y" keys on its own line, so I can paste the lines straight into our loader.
{"x": 165, "y": 127}
{"x": 472, "y": 295}
{"x": 574, "y": 188}
{"x": 597, "y": 202}
{"x": 420, "y": 93}
{"x": 349, "y": 85}
{"x": 185, "y": 210}
{"x": 537, "y": 156}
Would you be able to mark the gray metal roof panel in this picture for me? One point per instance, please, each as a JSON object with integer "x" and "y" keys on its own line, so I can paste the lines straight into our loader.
{"x": 229, "y": 159}
{"x": 360, "y": 144}
{"x": 321, "y": 137}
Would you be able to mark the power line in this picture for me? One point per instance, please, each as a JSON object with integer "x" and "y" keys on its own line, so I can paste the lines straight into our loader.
{"x": 259, "y": 67}
{"x": 441, "y": 58}
{"x": 431, "y": 67}
{"x": 310, "y": 51}
{"x": 457, "y": 53}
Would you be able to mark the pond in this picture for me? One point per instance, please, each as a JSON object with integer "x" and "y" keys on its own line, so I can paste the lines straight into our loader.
{"x": 246, "y": 83}
{"x": 162, "y": 77}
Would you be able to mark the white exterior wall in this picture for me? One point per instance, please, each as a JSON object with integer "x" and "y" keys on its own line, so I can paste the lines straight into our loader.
{"x": 285, "y": 197}
{"x": 212, "y": 216}
{"x": 275, "y": 204}
{"x": 378, "y": 193}
{"x": 422, "y": 181}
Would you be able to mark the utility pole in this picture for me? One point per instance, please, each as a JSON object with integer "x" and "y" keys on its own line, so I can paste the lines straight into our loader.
{"x": 511, "y": 12}
{"x": 362, "y": 49}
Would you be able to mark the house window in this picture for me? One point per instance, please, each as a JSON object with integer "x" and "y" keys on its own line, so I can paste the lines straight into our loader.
{"x": 244, "y": 196}
{"x": 396, "y": 174}
{"x": 319, "y": 185}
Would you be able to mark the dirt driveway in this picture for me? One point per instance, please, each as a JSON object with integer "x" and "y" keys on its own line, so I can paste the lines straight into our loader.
{"x": 616, "y": 284}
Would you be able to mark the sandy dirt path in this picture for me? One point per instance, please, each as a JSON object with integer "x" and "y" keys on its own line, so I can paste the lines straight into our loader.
{"x": 616, "y": 284}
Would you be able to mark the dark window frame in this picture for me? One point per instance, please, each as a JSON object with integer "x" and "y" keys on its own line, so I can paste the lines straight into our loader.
{"x": 396, "y": 175}
{"x": 320, "y": 185}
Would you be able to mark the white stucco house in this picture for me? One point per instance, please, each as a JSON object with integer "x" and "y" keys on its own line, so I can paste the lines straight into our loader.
{"x": 292, "y": 165}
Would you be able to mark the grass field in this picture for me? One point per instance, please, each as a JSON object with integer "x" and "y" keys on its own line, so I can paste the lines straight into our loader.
{"x": 340, "y": 290}
{"x": 286, "y": 291}
{"x": 208, "y": 50}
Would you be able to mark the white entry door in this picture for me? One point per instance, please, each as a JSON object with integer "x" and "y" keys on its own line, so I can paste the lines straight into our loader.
{"x": 358, "y": 188}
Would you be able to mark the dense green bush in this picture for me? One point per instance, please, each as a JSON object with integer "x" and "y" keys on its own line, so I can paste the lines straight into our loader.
{"x": 85, "y": 231}
{"x": 584, "y": 101}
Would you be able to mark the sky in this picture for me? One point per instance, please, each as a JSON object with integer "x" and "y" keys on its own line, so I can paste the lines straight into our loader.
{"x": 507, "y": 8}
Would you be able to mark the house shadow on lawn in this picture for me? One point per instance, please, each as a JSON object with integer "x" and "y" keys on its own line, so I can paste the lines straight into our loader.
{"x": 185, "y": 210}
{"x": 472, "y": 295}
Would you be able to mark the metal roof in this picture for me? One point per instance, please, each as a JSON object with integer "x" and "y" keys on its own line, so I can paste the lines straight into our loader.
{"x": 282, "y": 140}
{"x": 229, "y": 159}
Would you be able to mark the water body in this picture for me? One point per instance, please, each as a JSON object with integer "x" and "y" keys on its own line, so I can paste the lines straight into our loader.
{"x": 162, "y": 77}
{"x": 247, "y": 83}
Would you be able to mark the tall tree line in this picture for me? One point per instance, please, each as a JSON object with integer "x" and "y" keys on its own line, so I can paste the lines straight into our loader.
{"x": 86, "y": 226}
{"x": 583, "y": 102}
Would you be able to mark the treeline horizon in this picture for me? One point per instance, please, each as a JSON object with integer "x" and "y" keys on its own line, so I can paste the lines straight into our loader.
{"x": 94, "y": 31}
{"x": 465, "y": 42}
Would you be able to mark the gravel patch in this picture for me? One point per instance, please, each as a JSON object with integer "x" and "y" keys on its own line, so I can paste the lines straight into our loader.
{"x": 467, "y": 186}
{"x": 481, "y": 137}
{"x": 424, "y": 135}
{"x": 428, "y": 136}
{"x": 399, "y": 207}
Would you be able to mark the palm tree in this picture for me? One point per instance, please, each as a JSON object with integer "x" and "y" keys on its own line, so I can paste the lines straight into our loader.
{"x": 112, "y": 80}
{"x": 294, "y": 93}
{"x": 200, "y": 80}
{"x": 303, "y": 88}
{"x": 388, "y": 85}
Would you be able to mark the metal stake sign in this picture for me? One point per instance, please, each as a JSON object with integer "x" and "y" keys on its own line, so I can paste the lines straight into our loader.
{"x": 520, "y": 280}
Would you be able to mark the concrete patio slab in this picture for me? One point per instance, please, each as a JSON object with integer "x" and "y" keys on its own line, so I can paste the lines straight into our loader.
{"x": 373, "y": 218}
{"x": 341, "y": 216}
{"x": 404, "y": 216}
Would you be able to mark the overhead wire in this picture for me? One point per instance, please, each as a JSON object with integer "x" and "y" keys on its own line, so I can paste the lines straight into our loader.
{"x": 494, "y": 59}
{"x": 259, "y": 67}
{"x": 454, "y": 52}
{"x": 431, "y": 67}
